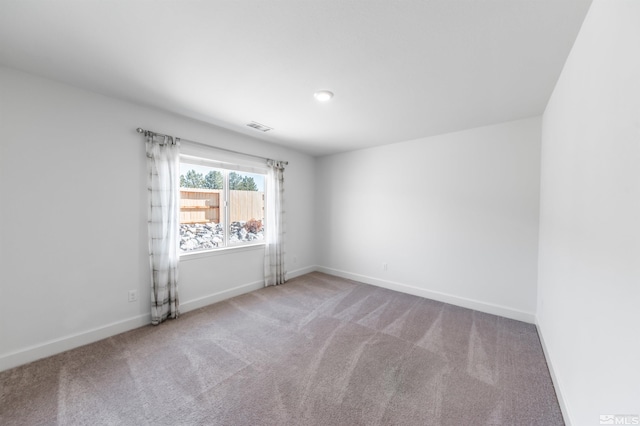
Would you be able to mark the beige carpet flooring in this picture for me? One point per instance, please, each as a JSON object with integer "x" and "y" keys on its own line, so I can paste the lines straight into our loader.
{"x": 318, "y": 350}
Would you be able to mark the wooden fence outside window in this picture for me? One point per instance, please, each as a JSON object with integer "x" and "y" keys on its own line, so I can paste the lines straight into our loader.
{"x": 203, "y": 205}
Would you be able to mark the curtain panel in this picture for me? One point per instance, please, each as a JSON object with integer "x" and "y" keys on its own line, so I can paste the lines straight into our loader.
{"x": 163, "y": 164}
{"x": 274, "y": 263}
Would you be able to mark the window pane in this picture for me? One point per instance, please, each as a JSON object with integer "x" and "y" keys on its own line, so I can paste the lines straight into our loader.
{"x": 246, "y": 207}
{"x": 201, "y": 207}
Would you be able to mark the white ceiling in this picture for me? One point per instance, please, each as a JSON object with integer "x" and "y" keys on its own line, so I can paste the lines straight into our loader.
{"x": 400, "y": 69}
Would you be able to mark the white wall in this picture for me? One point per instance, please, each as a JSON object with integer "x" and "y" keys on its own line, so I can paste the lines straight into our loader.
{"x": 455, "y": 217}
{"x": 589, "y": 260}
{"x": 73, "y": 218}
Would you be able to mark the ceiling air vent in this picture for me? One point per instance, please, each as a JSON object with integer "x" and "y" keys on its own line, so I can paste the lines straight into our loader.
{"x": 259, "y": 126}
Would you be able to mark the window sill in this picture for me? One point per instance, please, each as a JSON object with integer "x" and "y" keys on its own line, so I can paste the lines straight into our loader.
{"x": 221, "y": 251}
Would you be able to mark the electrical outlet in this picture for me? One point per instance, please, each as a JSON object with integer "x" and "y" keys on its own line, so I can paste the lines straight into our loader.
{"x": 295, "y": 259}
{"x": 384, "y": 266}
{"x": 133, "y": 295}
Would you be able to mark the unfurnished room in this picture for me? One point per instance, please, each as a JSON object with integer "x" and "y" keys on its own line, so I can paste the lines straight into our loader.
{"x": 398, "y": 212}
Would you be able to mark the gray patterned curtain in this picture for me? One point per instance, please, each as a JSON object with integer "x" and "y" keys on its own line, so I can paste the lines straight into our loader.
{"x": 163, "y": 164}
{"x": 274, "y": 266}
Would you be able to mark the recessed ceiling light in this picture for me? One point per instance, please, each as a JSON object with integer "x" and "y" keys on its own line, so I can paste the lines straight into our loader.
{"x": 323, "y": 95}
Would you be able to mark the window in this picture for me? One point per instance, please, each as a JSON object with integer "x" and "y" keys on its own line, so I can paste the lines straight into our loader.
{"x": 221, "y": 205}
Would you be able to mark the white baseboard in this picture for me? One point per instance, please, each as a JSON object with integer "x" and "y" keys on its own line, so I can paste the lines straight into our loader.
{"x": 201, "y": 302}
{"x": 554, "y": 378}
{"x": 66, "y": 343}
{"x": 62, "y": 344}
{"x": 301, "y": 271}
{"x": 237, "y": 291}
{"x": 477, "y": 305}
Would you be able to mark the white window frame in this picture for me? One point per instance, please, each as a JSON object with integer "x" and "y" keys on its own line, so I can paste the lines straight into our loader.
{"x": 229, "y": 163}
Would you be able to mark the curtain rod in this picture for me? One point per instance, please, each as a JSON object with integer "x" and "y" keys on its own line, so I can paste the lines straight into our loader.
{"x": 148, "y": 132}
